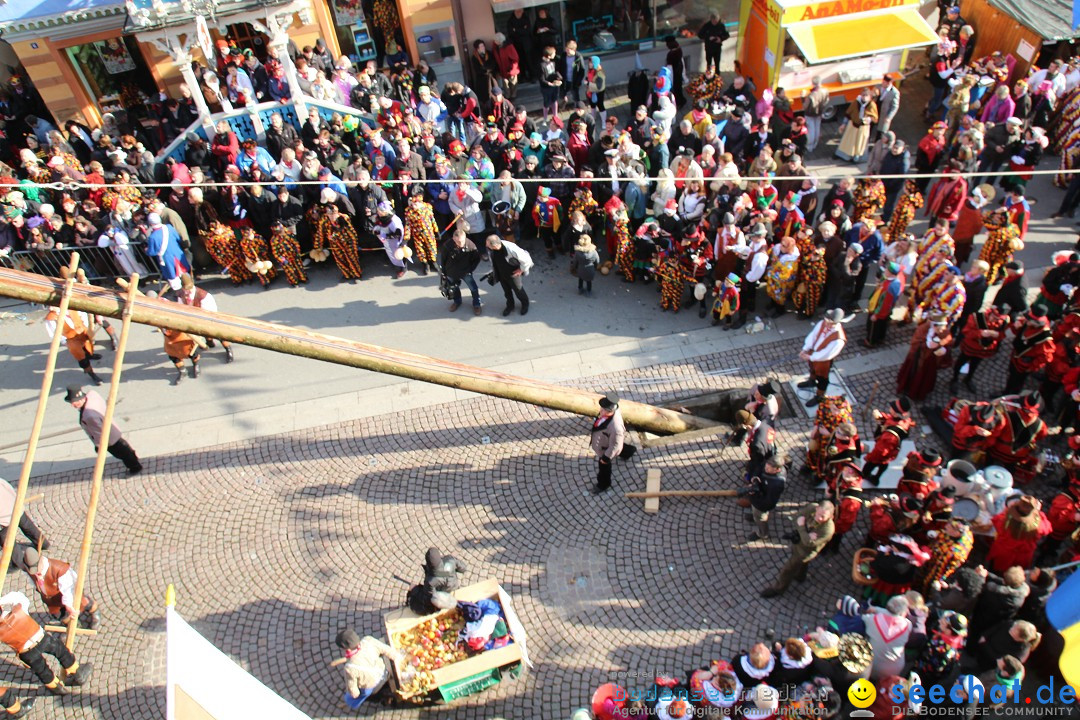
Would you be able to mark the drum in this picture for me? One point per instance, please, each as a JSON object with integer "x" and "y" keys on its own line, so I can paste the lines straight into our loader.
{"x": 501, "y": 207}
{"x": 966, "y": 510}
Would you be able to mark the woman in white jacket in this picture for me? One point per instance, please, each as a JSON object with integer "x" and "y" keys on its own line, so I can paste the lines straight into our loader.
{"x": 665, "y": 190}
{"x": 465, "y": 201}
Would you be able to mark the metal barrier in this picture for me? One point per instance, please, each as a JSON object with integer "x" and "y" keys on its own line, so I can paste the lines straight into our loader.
{"x": 101, "y": 264}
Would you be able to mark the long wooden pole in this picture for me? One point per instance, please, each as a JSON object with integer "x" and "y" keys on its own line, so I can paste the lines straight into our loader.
{"x": 99, "y": 465}
{"x": 303, "y": 343}
{"x": 39, "y": 418}
{"x": 682, "y": 493}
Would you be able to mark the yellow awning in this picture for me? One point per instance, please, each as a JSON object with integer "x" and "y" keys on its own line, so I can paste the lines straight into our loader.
{"x": 865, "y": 34}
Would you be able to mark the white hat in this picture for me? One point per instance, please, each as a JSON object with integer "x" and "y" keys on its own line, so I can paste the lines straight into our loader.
{"x": 328, "y": 196}
{"x": 154, "y": 219}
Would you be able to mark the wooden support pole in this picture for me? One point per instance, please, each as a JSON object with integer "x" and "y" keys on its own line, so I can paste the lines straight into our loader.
{"x": 66, "y": 629}
{"x": 39, "y": 418}
{"x": 682, "y": 493}
{"x": 99, "y": 465}
{"x": 304, "y": 343}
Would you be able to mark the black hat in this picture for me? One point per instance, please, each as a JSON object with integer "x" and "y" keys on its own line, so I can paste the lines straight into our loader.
{"x": 1031, "y": 399}
{"x": 347, "y": 639}
{"x": 1014, "y": 265}
{"x": 903, "y": 404}
{"x": 609, "y": 401}
{"x": 74, "y": 392}
{"x": 958, "y": 624}
{"x": 767, "y": 388}
{"x": 931, "y": 457}
{"x": 948, "y": 491}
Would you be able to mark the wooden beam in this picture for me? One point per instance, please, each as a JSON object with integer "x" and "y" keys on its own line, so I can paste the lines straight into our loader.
{"x": 65, "y": 628}
{"x": 99, "y": 465}
{"x": 652, "y": 485}
{"x": 35, "y": 430}
{"x": 682, "y": 493}
{"x": 305, "y": 343}
{"x": 683, "y": 437}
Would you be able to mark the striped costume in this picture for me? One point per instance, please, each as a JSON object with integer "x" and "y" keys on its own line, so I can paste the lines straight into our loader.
{"x": 811, "y": 280}
{"x": 286, "y": 251}
{"x": 832, "y": 411}
{"x": 340, "y": 237}
{"x": 869, "y": 197}
{"x": 947, "y": 298}
{"x": 672, "y": 279}
{"x": 930, "y": 269}
{"x": 1002, "y": 236}
{"x": 221, "y": 243}
{"x": 624, "y": 246}
{"x": 422, "y": 230}
{"x": 256, "y": 250}
{"x": 781, "y": 276}
{"x": 910, "y": 202}
{"x": 947, "y": 555}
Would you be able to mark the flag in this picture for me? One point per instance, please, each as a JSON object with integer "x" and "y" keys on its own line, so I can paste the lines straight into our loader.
{"x": 1063, "y": 612}
{"x": 203, "y": 683}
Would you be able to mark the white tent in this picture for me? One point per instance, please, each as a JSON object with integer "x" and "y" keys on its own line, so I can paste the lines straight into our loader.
{"x": 203, "y": 683}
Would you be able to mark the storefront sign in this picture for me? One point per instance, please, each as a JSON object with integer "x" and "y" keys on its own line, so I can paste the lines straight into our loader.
{"x": 770, "y": 10}
{"x": 835, "y": 8}
{"x": 348, "y": 12}
{"x": 114, "y": 56}
{"x": 206, "y": 42}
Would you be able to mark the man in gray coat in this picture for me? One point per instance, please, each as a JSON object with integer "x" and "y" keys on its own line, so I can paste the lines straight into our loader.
{"x": 888, "y": 104}
{"x": 608, "y": 440}
{"x": 814, "y": 529}
{"x": 91, "y": 407}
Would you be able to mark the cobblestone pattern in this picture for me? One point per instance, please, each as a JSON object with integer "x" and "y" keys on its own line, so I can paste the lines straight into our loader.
{"x": 275, "y": 545}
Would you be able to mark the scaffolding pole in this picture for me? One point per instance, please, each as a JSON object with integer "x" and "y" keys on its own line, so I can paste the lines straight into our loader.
{"x": 63, "y": 289}
{"x": 99, "y": 465}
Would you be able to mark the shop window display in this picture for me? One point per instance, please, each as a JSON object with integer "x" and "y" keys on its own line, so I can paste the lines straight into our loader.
{"x": 113, "y": 72}
{"x": 600, "y": 26}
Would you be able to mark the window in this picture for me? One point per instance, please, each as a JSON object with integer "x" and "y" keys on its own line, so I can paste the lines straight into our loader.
{"x": 113, "y": 72}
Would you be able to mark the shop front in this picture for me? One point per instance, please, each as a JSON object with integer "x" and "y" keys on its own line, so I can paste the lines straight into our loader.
{"x": 608, "y": 26}
{"x": 109, "y": 56}
{"x": 848, "y": 44}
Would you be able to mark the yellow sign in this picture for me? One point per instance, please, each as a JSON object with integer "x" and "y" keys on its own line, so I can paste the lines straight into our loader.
{"x": 835, "y": 8}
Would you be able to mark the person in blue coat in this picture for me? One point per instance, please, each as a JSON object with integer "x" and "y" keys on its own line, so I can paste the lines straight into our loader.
{"x": 163, "y": 244}
{"x": 252, "y": 155}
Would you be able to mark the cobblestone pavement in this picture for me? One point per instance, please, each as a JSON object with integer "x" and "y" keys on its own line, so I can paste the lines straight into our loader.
{"x": 275, "y": 545}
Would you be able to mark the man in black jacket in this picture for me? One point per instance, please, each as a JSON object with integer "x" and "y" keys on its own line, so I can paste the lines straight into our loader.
{"x": 763, "y": 494}
{"x": 1012, "y": 292}
{"x": 458, "y": 258}
{"x": 713, "y": 34}
{"x": 280, "y": 136}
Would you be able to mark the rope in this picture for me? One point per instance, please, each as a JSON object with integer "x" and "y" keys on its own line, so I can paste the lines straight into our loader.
{"x": 545, "y": 181}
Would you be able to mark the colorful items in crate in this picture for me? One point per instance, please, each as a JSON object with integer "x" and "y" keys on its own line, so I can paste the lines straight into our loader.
{"x": 485, "y": 626}
{"x": 430, "y": 645}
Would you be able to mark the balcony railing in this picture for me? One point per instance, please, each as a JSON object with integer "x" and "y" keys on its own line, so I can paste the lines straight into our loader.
{"x": 251, "y": 121}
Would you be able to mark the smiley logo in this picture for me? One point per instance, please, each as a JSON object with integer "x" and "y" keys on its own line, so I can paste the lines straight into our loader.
{"x": 862, "y": 693}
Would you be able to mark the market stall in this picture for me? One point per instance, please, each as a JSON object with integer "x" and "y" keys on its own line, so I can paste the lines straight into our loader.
{"x": 1022, "y": 29}
{"x": 848, "y": 44}
{"x": 458, "y": 652}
